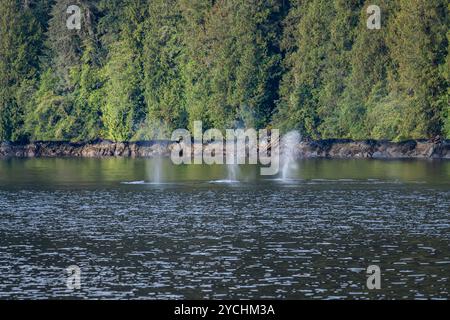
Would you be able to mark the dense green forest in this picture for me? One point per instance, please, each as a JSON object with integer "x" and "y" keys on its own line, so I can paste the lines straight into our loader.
{"x": 138, "y": 69}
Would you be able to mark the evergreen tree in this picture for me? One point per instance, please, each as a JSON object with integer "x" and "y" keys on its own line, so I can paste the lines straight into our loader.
{"x": 71, "y": 63}
{"x": 445, "y": 99}
{"x": 235, "y": 61}
{"x": 370, "y": 63}
{"x": 20, "y": 46}
{"x": 123, "y": 109}
{"x": 196, "y": 62}
{"x": 343, "y": 30}
{"x": 163, "y": 57}
{"x": 138, "y": 69}
{"x": 307, "y": 44}
{"x": 418, "y": 46}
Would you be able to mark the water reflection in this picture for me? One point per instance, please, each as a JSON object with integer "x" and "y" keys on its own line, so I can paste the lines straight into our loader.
{"x": 312, "y": 237}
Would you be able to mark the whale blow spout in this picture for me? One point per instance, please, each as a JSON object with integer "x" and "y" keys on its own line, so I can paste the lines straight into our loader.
{"x": 289, "y": 152}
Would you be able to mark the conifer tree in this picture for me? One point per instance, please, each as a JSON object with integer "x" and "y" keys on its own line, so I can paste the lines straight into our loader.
{"x": 123, "y": 107}
{"x": 237, "y": 64}
{"x": 369, "y": 63}
{"x": 20, "y": 46}
{"x": 343, "y": 30}
{"x": 307, "y": 44}
{"x": 62, "y": 103}
{"x": 418, "y": 46}
{"x": 140, "y": 67}
{"x": 163, "y": 57}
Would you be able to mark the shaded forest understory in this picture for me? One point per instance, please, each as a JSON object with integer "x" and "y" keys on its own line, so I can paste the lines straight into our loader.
{"x": 138, "y": 69}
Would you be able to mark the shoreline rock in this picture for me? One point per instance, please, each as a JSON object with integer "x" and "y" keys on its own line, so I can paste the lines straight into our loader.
{"x": 331, "y": 148}
{"x": 373, "y": 149}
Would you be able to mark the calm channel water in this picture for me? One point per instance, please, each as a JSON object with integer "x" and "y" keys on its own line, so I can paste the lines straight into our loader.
{"x": 193, "y": 236}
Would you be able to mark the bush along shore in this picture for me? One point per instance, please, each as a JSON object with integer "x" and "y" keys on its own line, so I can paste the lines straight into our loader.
{"x": 331, "y": 148}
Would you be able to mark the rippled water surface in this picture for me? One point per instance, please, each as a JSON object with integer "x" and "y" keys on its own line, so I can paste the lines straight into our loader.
{"x": 148, "y": 229}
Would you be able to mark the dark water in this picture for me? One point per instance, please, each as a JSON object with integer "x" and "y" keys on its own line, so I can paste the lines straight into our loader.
{"x": 310, "y": 237}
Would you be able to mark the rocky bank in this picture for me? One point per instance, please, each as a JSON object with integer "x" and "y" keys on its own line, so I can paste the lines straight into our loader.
{"x": 334, "y": 148}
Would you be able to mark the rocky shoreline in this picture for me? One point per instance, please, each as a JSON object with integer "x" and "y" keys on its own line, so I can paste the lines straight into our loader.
{"x": 333, "y": 148}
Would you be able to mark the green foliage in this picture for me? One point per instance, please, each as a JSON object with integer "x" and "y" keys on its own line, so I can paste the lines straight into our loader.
{"x": 418, "y": 46}
{"x": 20, "y": 46}
{"x": 139, "y": 69}
{"x": 344, "y": 80}
{"x": 121, "y": 83}
{"x": 307, "y": 46}
{"x": 123, "y": 107}
{"x": 385, "y": 119}
{"x": 445, "y": 99}
{"x": 369, "y": 63}
{"x": 49, "y": 116}
{"x": 233, "y": 61}
{"x": 66, "y": 106}
{"x": 163, "y": 56}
